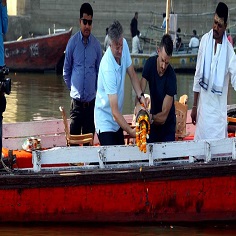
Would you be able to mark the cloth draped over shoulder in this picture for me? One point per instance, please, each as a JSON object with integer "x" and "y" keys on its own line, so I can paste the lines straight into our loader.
{"x": 205, "y": 69}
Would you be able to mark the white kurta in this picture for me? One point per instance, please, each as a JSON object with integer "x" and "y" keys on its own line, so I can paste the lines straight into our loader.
{"x": 136, "y": 47}
{"x": 212, "y": 108}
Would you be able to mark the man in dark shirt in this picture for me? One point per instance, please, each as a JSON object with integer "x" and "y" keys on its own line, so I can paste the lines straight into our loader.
{"x": 3, "y": 30}
{"x": 134, "y": 25}
{"x": 161, "y": 78}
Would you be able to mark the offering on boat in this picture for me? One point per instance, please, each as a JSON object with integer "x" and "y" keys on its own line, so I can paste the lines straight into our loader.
{"x": 142, "y": 130}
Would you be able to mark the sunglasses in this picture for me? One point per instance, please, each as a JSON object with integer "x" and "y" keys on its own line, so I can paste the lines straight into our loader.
{"x": 85, "y": 22}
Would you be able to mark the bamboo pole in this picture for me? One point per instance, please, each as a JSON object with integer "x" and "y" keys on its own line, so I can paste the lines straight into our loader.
{"x": 167, "y": 16}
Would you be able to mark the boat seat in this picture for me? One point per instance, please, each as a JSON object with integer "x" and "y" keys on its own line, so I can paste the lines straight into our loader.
{"x": 181, "y": 118}
{"x": 75, "y": 139}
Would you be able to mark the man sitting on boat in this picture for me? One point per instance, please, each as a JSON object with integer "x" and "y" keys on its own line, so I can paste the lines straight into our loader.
{"x": 194, "y": 42}
{"x": 136, "y": 46}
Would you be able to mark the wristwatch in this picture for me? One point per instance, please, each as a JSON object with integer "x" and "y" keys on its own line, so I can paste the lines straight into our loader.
{"x": 139, "y": 98}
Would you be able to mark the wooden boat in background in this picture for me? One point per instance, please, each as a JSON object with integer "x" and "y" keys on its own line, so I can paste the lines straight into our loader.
{"x": 40, "y": 53}
{"x": 179, "y": 61}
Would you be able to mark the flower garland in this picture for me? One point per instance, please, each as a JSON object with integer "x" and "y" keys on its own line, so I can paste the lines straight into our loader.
{"x": 142, "y": 131}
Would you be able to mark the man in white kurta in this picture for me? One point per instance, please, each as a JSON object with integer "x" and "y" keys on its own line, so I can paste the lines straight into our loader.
{"x": 216, "y": 55}
{"x": 136, "y": 47}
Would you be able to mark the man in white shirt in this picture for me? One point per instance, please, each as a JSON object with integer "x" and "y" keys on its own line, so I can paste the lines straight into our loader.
{"x": 115, "y": 63}
{"x": 106, "y": 40}
{"x": 215, "y": 66}
{"x": 163, "y": 26}
{"x": 194, "y": 42}
{"x": 136, "y": 47}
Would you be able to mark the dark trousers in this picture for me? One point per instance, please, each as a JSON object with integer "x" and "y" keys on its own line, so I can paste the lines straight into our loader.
{"x": 3, "y": 103}
{"x": 161, "y": 133}
{"x": 82, "y": 117}
{"x": 111, "y": 138}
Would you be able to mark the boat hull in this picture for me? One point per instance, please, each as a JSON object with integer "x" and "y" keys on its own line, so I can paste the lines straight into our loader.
{"x": 192, "y": 193}
{"x": 36, "y": 54}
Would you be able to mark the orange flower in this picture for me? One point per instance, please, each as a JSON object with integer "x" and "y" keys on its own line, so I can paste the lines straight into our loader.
{"x": 142, "y": 130}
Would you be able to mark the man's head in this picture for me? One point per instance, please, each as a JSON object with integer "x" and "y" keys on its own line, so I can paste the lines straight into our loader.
{"x": 220, "y": 21}
{"x": 138, "y": 33}
{"x": 194, "y": 32}
{"x": 136, "y": 15}
{"x": 115, "y": 34}
{"x": 165, "y": 51}
{"x": 86, "y": 16}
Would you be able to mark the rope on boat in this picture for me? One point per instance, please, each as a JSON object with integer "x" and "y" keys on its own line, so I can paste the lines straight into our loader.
{"x": 11, "y": 159}
{"x": 7, "y": 169}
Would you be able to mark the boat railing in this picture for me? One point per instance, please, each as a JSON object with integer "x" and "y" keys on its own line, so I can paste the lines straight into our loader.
{"x": 157, "y": 154}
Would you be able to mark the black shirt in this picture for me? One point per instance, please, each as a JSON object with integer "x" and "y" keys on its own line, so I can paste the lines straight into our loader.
{"x": 159, "y": 87}
{"x": 134, "y": 27}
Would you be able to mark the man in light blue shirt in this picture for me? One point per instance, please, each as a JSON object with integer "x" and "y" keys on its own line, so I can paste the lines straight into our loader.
{"x": 82, "y": 59}
{"x": 109, "y": 121}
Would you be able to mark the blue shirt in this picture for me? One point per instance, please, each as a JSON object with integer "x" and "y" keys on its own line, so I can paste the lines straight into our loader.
{"x": 3, "y": 30}
{"x": 81, "y": 67}
{"x": 111, "y": 80}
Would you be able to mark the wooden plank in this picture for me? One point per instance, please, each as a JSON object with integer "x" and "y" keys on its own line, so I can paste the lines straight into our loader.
{"x": 47, "y": 141}
{"x": 36, "y": 128}
{"x": 117, "y": 154}
{"x": 51, "y": 133}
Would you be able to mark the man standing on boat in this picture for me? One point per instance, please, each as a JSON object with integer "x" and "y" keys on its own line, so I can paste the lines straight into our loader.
{"x": 194, "y": 42}
{"x": 3, "y": 29}
{"x": 215, "y": 65}
{"x": 136, "y": 46}
{"x": 134, "y": 25}
{"x": 116, "y": 61}
{"x": 160, "y": 76}
{"x": 81, "y": 65}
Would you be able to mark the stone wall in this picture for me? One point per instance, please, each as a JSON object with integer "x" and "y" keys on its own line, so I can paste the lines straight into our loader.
{"x": 39, "y": 15}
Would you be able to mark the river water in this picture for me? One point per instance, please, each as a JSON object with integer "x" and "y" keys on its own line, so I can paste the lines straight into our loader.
{"x": 37, "y": 97}
{"x": 114, "y": 230}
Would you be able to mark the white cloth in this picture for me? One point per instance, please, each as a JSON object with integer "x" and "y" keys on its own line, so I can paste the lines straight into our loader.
{"x": 219, "y": 72}
{"x": 163, "y": 26}
{"x": 212, "y": 108}
{"x": 194, "y": 44}
{"x": 136, "y": 47}
{"x": 106, "y": 42}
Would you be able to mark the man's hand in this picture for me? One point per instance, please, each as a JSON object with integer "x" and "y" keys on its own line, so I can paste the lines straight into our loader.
{"x": 144, "y": 102}
{"x": 194, "y": 115}
{"x": 133, "y": 133}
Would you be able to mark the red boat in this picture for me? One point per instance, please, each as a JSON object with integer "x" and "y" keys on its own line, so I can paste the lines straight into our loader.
{"x": 37, "y": 54}
{"x": 182, "y": 181}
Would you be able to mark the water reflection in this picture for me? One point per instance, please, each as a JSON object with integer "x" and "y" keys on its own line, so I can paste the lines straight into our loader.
{"x": 35, "y": 97}
{"x": 114, "y": 230}
{"x": 38, "y": 96}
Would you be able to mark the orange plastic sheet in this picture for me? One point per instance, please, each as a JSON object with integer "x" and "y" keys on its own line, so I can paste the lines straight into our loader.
{"x": 24, "y": 159}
